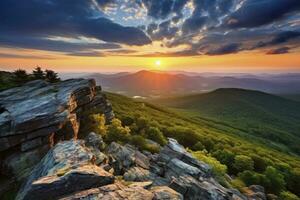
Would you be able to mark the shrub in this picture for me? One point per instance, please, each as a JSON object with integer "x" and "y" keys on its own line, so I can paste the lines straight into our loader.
{"x": 274, "y": 180}
{"x": 198, "y": 146}
{"x": 226, "y": 157}
{"x": 156, "y": 135}
{"x": 238, "y": 183}
{"x": 260, "y": 164}
{"x": 293, "y": 183}
{"x": 127, "y": 121}
{"x": 185, "y": 136}
{"x": 209, "y": 144}
{"x": 141, "y": 123}
{"x": 252, "y": 178}
{"x": 242, "y": 163}
{"x": 116, "y": 132}
{"x": 98, "y": 124}
{"x": 140, "y": 142}
{"x": 288, "y": 196}
{"x": 218, "y": 169}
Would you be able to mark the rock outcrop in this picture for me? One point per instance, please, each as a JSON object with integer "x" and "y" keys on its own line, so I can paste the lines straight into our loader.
{"x": 188, "y": 176}
{"x": 255, "y": 192}
{"x": 37, "y": 115}
{"x": 69, "y": 172}
{"x": 66, "y": 168}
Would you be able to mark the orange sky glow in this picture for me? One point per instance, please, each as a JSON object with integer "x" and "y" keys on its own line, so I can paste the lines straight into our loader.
{"x": 241, "y": 62}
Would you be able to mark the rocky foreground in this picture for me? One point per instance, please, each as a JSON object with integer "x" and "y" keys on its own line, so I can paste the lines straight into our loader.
{"x": 85, "y": 170}
{"x": 36, "y": 116}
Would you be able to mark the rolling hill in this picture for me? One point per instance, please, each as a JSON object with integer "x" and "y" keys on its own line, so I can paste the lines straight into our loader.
{"x": 260, "y": 114}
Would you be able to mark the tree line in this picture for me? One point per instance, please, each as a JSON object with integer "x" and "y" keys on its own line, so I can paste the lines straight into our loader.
{"x": 20, "y": 76}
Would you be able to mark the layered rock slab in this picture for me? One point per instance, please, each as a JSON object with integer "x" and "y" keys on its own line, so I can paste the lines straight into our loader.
{"x": 66, "y": 168}
{"x": 38, "y": 114}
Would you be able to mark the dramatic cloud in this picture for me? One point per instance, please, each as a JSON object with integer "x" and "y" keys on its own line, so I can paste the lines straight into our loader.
{"x": 50, "y": 44}
{"x": 163, "y": 8}
{"x": 280, "y": 38}
{"x": 40, "y": 19}
{"x": 281, "y": 50}
{"x": 226, "y": 49}
{"x": 117, "y": 27}
{"x": 255, "y": 13}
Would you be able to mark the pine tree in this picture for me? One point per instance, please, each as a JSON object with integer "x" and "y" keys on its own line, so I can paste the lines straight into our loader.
{"x": 51, "y": 76}
{"x": 38, "y": 73}
{"x": 20, "y": 76}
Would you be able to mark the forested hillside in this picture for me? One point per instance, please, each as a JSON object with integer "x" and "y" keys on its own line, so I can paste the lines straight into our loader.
{"x": 258, "y": 114}
{"x": 226, "y": 148}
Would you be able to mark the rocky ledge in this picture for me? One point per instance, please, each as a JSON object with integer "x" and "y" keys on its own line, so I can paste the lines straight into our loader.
{"x": 81, "y": 170}
{"x": 34, "y": 117}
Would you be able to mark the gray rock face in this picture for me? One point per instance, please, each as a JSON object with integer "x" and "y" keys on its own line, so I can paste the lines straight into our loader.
{"x": 124, "y": 157}
{"x": 66, "y": 168}
{"x": 68, "y": 172}
{"x": 178, "y": 169}
{"x": 165, "y": 193}
{"x": 37, "y": 115}
{"x": 116, "y": 191}
{"x": 256, "y": 192}
{"x": 137, "y": 174}
{"x": 95, "y": 141}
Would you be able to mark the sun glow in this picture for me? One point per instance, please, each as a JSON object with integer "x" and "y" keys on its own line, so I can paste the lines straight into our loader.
{"x": 158, "y": 63}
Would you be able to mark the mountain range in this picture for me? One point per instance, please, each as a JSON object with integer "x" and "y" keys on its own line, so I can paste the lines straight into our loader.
{"x": 156, "y": 83}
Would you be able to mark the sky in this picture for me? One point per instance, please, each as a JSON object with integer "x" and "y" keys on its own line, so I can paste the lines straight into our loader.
{"x": 130, "y": 35}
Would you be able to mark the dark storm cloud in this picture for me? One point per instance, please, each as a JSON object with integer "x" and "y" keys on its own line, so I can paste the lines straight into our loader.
{"x": 194, "y": 24}
{"x": 163, "y": 30}
{"x": 105, "y": 3}
{"x": 281, "y": 50}
{"x": 280, "y": 38}
{"x": 226, "y": 49}
{"x": 160, "y": 9}
{"x": 255, "y": 13}
{"x": 40, "y": 19}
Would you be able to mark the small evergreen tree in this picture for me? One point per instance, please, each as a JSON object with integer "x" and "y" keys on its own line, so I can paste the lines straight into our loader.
{"x": 51, "y": 76}
{"x": 20, "y": 76}
{"x": 38, "y": 73}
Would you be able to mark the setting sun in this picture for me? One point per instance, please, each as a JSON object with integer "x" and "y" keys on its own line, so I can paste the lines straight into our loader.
{"x": 158, "y": 63}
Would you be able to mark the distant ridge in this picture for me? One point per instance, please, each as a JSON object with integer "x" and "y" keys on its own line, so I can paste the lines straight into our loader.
{"x": 258, "y": 113}
{"x": 148, "y": 83}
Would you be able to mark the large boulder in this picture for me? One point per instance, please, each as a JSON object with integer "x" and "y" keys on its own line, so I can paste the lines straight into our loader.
{"x": 165, "y": 193}
{"x": 95, "y": 141}
{"x": 124, "y": 157}
{"x": 178, "y": 169}
{"x": 67, "y": 168}
{"x": 137, "y": 174}
{"x": 255, "y": 192}
{"x": 37, "y": 115}
{"x": 120, "y": 191}
{"x": 117, "y": 191}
